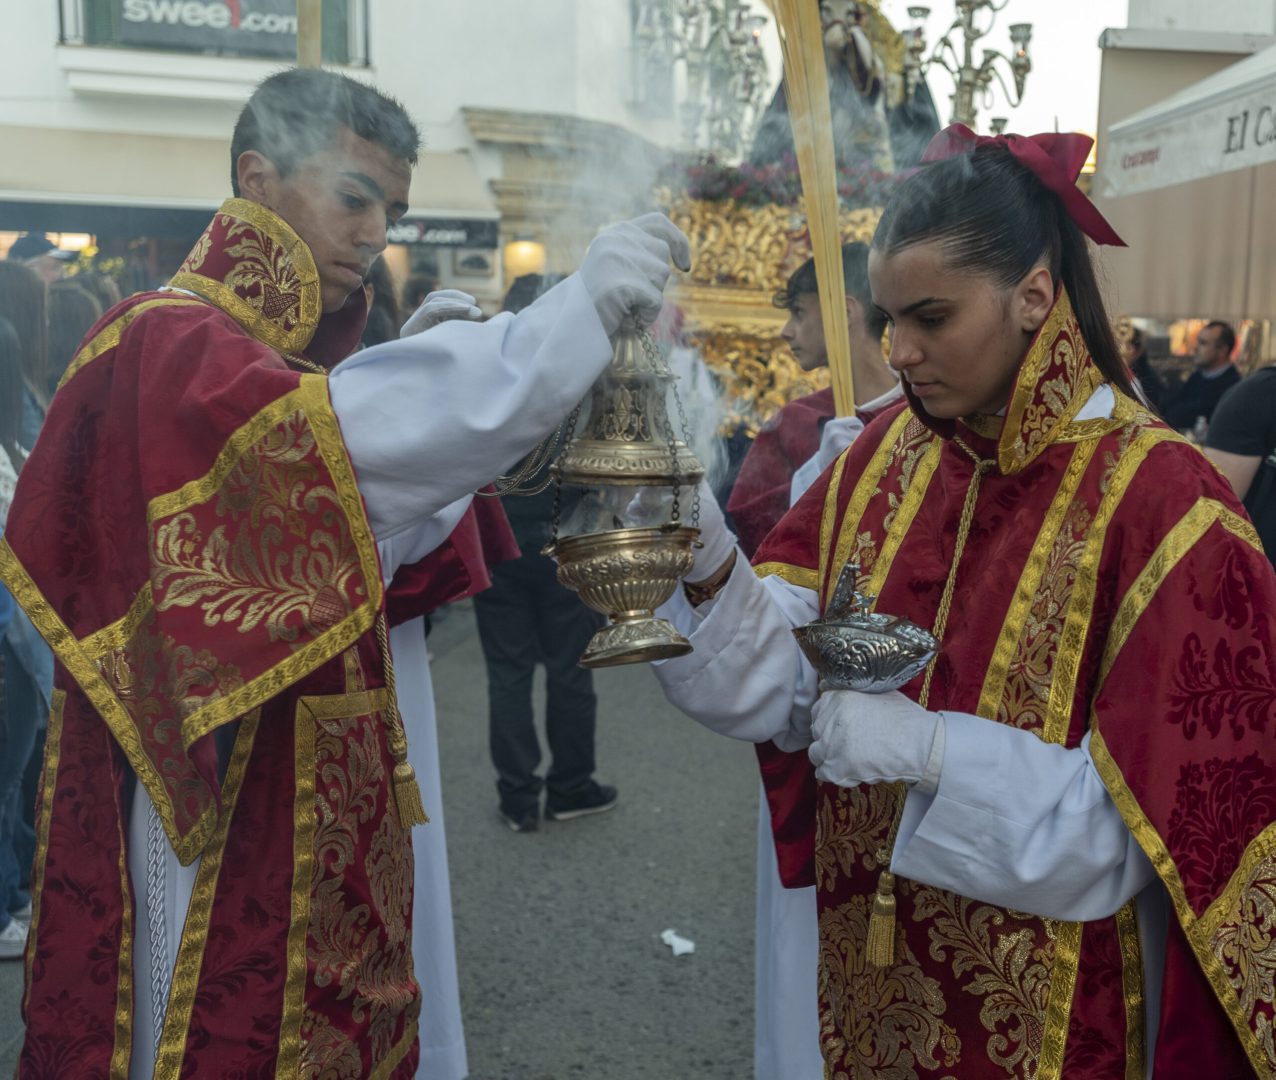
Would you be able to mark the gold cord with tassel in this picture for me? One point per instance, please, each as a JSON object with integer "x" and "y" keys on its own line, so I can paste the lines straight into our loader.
{"x": 879, "y": 946}
{"x": 407, "y": 792}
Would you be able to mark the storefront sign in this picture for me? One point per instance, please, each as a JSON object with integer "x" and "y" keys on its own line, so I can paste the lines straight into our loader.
{"x": 1200, "y": 132}
{"x": 445, "y": 232}
{"x": 238, "y": 27}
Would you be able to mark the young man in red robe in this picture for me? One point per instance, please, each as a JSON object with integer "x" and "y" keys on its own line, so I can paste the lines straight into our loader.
{"x": 204, "y": 535}
{"x": 786, "y": 458}
{"x": 794, "y": 438}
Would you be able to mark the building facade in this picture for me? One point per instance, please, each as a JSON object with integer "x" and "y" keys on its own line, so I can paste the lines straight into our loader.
{"x": 116, "y": 116}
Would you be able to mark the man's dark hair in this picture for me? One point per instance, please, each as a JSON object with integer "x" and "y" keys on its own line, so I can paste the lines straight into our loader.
{"x": 297, "y": 113}
{"x": 1226, "y": 335}
{"x": 802, "y": 282}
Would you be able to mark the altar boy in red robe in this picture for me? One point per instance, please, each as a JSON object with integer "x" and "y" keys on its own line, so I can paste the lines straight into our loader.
{"x": 223, "y": 882}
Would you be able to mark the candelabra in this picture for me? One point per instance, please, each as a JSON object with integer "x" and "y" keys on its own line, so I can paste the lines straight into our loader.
{"x": 971, "y": 80}
{"x": 718, "y": 45}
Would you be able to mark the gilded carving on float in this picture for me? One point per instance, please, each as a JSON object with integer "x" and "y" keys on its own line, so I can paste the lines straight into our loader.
{"x": 741, "y": 257}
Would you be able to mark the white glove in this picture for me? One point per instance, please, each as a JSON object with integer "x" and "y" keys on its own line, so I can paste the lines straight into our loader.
{"x": 627, "y": 266}
{"x": 440, "y": 306}
{"x": 716, "y": 540}
{"x": 874, "y": 739}
{"x": 838, "y": 434}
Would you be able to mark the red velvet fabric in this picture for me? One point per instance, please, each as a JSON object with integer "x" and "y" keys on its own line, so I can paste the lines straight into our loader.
{"x": 1112, "y": 585}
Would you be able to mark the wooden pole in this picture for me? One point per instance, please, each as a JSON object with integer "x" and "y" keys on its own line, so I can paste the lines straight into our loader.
{"x": 309, "y": 33}
{"x": 807, "y": 89}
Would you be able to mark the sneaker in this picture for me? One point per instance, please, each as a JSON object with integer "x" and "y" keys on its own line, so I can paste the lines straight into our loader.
{"x": 13, "y": 940}
{"x": 597, "y": 799}
{"x": 521, "y": 821}
{"x": 23, "y": 914}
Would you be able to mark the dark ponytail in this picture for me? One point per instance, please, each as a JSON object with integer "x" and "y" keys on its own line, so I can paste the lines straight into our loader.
{"x": 995, "y": 218}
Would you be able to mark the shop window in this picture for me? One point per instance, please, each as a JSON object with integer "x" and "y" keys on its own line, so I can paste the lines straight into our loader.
{"x": 262, "y": 29}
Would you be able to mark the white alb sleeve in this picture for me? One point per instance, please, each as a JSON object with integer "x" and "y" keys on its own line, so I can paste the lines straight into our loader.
{"x": 1020, "y": 823}
{"x": 428, "y": 419}
{"x": 746, "y": 676}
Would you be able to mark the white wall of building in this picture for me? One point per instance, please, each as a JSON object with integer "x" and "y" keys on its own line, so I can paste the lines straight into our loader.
{"x": 555, "y": 56}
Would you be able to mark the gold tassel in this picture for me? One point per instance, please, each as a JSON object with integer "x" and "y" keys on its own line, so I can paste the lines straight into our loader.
{"x": 879, "y": 949}
{"x": 407, "y": 797}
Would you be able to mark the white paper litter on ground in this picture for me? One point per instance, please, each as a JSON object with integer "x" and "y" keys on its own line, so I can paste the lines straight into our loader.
{"x": 680, "y": 945}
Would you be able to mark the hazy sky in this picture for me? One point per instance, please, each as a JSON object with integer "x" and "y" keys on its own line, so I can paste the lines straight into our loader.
{"x": 1064, "y": 82}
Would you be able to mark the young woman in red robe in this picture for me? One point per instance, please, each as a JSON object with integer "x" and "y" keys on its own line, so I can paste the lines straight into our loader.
{"x": 1051, "y": 853}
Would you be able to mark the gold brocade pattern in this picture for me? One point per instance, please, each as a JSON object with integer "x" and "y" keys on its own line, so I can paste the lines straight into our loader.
{"x": 895, "y": 1014}
{"x": 190, "y": 951}
{"x": 916, "y": 472}
{"x": 995, "y": 957}
{"x": 362, "y": 951}
{"x": 851, "y": 830}
{"x": 1017, "y": 686}
{"x": 1055, "y": 381}
{"x": 1211, "y": 961}
{"x": 99, "y": 676}
{"x": 1135, "y": 445}
{"x": 278, "y": 572}
{"x": 1132, "y": 990}
{"x": 898, "y": 457}
{"x": 270, "y": 286}
{"x": 1244, "y": 940}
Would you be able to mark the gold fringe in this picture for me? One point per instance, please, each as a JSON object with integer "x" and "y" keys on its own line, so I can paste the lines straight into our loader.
{"x": 407, "y": 796}
{"x": 879, "y": 948}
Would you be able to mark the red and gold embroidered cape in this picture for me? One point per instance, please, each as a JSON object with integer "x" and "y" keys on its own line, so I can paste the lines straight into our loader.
{"x": 1111, "y": 584}
{"x": 189, "y": 538}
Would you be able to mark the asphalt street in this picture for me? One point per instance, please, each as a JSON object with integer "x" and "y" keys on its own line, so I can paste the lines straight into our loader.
{"x": 563, "y": 973}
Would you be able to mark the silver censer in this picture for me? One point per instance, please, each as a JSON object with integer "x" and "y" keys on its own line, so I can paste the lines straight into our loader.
{"x": 854, "y": 648}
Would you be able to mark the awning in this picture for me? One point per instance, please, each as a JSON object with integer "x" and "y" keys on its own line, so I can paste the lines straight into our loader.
{"x": 1218, "y": 125}
{"x": 133, "y": 184}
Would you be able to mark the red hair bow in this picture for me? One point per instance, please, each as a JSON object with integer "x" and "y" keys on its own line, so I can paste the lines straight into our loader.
{"x": 1055, "y": 160}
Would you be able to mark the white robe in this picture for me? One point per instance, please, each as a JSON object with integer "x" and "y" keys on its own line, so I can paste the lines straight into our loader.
{"x": 426, "y": 420}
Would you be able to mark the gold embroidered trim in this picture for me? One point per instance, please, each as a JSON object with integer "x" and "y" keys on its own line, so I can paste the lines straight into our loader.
{"x": 252, "y": 319}
{"x": 1185, "y": 535}
{"x": 1159, "y": 855}
{"x": 1030, "y": 582}
{"x": 101, "y": 695}
{"x": 396, "y": 1056}
{"x": 303, "y": 856}
{"x": 310, "y": 710}
{"x": 119, "y": 633}
{"x": 1127, "y": 925}
{"x": 190, "y": 951}
{"x": 1011, "y": 456}
{"x": 865, "y": 488}
{"x": 242, "y": 439}
{"x": 1072, "y": 639}
{"x": 829, "y": 518}
{"x": 794, "y": 575}
{"x": 1063, "y": 985}
{"x": 109, "y": 336}
{"x": 312, "y": 398}
{"x": 122, "y": 1053}
{"x": 48, "y": 783}
{"x": 903, "y": 519}
{"x": 1261, "y": 848}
